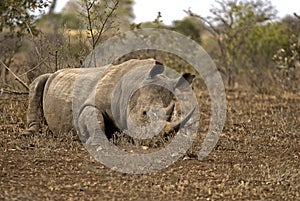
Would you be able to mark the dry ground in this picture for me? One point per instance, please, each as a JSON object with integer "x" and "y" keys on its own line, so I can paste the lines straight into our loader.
{"x": 257, "y": 158}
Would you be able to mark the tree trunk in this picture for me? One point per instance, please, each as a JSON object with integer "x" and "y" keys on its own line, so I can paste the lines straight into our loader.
{"x": 50, "y": 14}
{"x": 52, "y": 7}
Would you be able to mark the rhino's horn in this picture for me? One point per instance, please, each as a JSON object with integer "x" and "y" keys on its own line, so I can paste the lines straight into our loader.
{"x": 174, "y": 127}
{"x": 169, "y": 110}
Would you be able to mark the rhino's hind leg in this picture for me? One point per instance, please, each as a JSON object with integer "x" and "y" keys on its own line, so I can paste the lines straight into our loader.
{"x": 35, "y": 105}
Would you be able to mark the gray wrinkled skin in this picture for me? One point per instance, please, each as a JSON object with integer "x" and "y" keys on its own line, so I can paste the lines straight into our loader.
{"x": 66, "y": 98}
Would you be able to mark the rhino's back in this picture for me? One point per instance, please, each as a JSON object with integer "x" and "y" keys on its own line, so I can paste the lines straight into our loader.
{"x": 65, "y": 88}
{"x": 70, "y": 89}
{"x": 114, "y": 75}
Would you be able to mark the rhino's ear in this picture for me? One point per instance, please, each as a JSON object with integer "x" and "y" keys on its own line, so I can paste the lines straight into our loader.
{"x": 184, "y": 81}
{"x": 157, "y": 69}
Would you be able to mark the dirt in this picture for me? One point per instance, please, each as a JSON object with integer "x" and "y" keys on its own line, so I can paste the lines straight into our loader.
{"x": 257, "y": 158}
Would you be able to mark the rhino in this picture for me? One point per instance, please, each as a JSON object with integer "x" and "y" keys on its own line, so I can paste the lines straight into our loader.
{"x": 68, "y": 98}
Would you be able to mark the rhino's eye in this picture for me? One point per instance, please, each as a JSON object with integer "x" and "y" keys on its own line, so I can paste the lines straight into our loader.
{"x": 144, "y": 113}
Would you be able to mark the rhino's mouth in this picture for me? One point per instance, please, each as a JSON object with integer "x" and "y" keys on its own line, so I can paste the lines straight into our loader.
{"x": 175, "y": 126}
{"x": 160, "y": 138}
{"x": 157, "y": 120}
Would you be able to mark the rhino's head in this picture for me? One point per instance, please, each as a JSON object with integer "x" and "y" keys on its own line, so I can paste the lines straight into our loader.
{"x": 152, "y": 106}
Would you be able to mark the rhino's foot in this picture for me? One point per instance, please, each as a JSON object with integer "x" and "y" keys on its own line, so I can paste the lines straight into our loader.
{"x": 28, "y": 132}
{"x": 33, "y": 129}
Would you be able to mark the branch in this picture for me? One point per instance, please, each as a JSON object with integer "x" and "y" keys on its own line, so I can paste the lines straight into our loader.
{"x": 212, "y": 29}
{"x": 216, "y": 11}
{"x": 297, "y": 16}
{"x": 88, "y": 8}
{"x": 97, "y": 24}
{"x": 102, "y": 30}
{"x": 31, "y": 34}
{"x": 22, "y": 82}
{"x": 228, "y": 25}
{"x": 32, "y": 69}
{"x": 52, "y": 7}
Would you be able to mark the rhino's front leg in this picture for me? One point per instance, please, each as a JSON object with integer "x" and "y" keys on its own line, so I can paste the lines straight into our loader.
{"x": 91, "y": 126}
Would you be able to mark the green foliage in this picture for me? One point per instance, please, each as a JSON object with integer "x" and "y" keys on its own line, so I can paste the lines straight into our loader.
{"x": 16, "y": 18}
{"x": 99, "y": 18}
{"x": 241, "y": 29}
{"x": 244, "y": 34}
{"x": 289, "y": 55}
{"x": 114, "y": 13}
{"x": 124, "y": 14}
{"x": 156, "y": 23}
{"x": 262, "y": 42}
{"x": 293, "y": 23}
{"x": 233, "y": 22}
{"x": 62, "y": 20}
{"x": 188, "y": 27}
{"x": 70, "y": 21}
{"x": 18, "y": 14}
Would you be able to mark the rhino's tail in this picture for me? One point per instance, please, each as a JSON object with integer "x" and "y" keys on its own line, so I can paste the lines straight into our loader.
{"x": 35, "y": 107}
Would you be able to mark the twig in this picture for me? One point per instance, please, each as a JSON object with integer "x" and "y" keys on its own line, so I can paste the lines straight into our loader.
{"x": 32, "y": 69}
{"x": 31, "y": 34}
{"x": 56, "y": 59}
{"x": 95, "y": 31}
{"x": 211, "y": 28}
{"x": 108, "y": 16}
{"x": 22, "y": 82}
{"x": 5, "y": 91}
{"x": 88, "y": 8}
{"x": 29, "y": 29}
{"x": 297, "y": 16}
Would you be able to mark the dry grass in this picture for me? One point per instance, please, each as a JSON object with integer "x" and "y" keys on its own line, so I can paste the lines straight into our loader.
{"x": 257, "y": 158}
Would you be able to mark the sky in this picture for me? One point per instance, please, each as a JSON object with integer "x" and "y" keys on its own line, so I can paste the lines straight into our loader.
{"x": 146, "y": 10}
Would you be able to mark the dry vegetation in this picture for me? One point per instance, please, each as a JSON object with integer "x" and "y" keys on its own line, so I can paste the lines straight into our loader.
{"x": 257, "y": 158}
